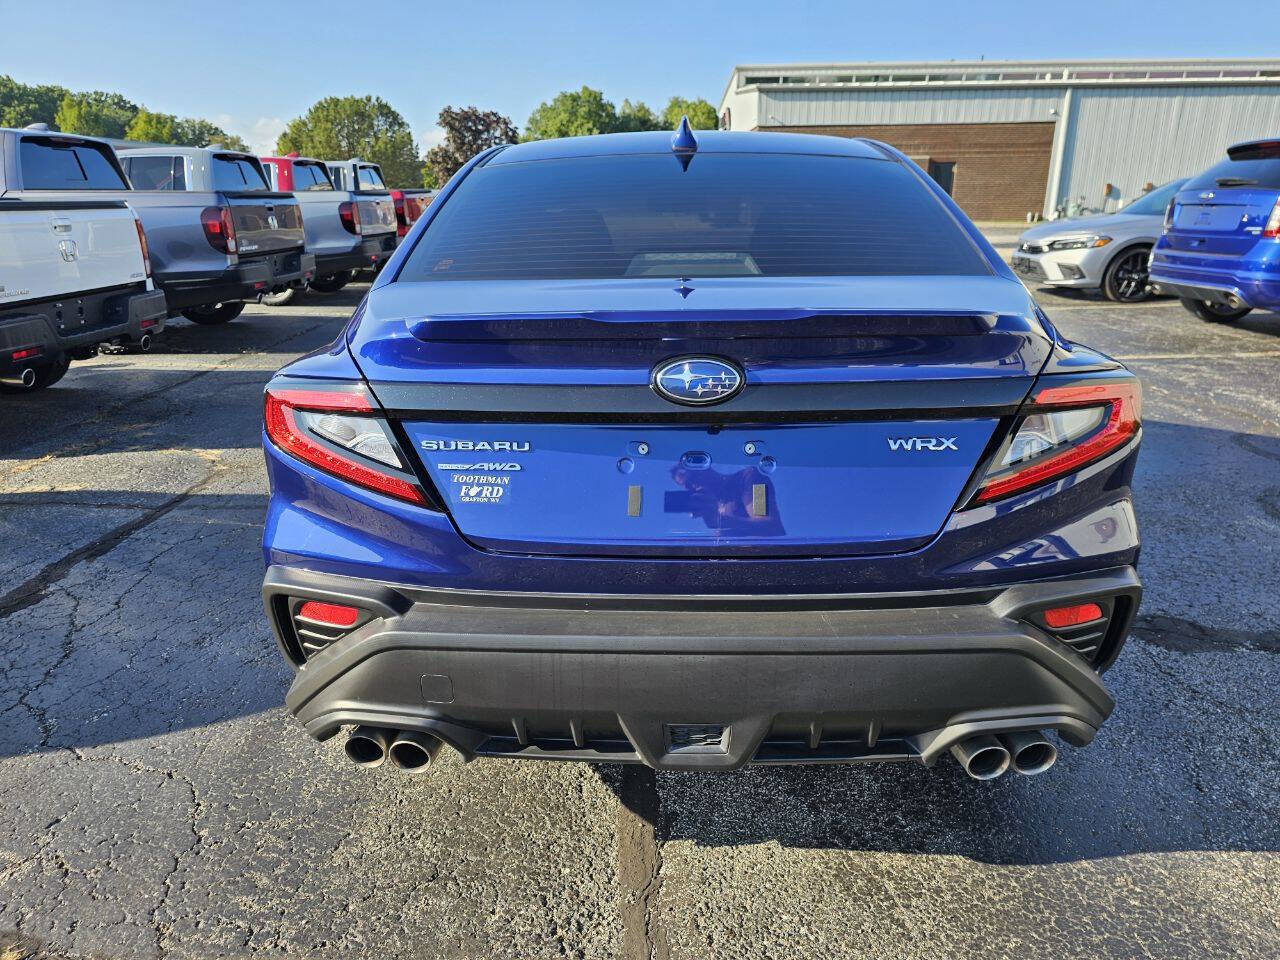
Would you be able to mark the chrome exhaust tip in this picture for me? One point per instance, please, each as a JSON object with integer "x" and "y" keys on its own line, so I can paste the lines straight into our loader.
{"x": 26, "y": 379}
{"x": 983, "y": 758}
{"x": 143, "y": 343}
{"x": 367, "y": 746}
{"x": 413, "y": 752}
{"x": 1030, "y": 751}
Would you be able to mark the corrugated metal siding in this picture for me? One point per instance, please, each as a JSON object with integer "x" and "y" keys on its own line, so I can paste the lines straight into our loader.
{"x": 853, "y": 107}
{"x": 1130, "y": 137}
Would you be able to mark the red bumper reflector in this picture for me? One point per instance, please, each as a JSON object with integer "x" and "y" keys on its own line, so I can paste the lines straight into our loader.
{"x": 334, "y": 614}
{"x": 24, "y": 354}
{"x": 1072, "y": 616}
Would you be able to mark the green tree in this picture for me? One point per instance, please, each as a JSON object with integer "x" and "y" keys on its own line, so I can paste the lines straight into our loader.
{"x": 148, "y": 127}
{"x": 337, "y": 128}
{"x": 635, "y": 117}
{"x": 95, "y": 114}
{"x": 22, "y": 103}
{"x": 573, "y": 113}
{"x": 701, "y": 114}
{"x": 467, "y": 131}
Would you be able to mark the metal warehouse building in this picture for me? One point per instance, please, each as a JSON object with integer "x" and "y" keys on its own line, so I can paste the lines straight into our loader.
{"x": 1016, "y": 137}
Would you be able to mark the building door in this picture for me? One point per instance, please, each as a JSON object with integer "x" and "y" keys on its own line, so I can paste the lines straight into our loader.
{"x": 944, "y": 174}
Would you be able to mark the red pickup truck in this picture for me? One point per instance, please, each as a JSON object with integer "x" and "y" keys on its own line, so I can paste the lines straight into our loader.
{"x": 410, "y": 205}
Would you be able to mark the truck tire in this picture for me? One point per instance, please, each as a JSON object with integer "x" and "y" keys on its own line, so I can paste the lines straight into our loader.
{"x": 280, "y": 299}
{"x": 45, "y": 377}
{"x": 214, "y": 313}
{"x": 1126, "y": 278}
{"x": 332, "y": 282}
{"x": 1214, "y": 312}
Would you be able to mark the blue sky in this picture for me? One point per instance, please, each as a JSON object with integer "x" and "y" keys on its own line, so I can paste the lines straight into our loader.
{"x": 252, "y": 69}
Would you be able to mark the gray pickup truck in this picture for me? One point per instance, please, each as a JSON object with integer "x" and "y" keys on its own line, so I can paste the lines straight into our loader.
{"x": 346, "y": 230}
{"x": 219, "y": 234}
{"x": 364, "y": 179}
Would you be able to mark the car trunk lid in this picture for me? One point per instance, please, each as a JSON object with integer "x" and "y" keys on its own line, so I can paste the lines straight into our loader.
{"x": 857, "y": 428}
{"x": 1224, "y": 221}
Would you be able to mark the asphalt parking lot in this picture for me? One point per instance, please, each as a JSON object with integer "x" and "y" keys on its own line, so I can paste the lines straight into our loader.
{"x": 155, "y": 800}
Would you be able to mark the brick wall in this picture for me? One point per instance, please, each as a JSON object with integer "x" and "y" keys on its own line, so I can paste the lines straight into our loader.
{"x": 1001, "y": 169}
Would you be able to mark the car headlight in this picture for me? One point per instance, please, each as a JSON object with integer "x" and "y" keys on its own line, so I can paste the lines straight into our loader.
{"x": 1080, "y": 242}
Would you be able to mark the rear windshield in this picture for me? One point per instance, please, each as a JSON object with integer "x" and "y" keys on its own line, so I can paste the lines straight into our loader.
{"x": 371, "y": 179}
{"x": 49, "y": 164}
{"x": 236, "y": 173}
{"x": 726, "y": 215}
{"x": 310, "y": 176}
{"x": 1264, "y": 172}
{"x": 1155, "y": 202}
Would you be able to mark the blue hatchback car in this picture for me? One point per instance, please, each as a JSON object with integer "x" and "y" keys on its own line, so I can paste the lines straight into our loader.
{"x": 1220, "y": 250}
{"x": 695, "y": 453}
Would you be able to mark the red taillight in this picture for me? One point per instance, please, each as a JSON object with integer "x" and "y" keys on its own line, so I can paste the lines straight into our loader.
{"x": 1121, "y": 406}
{"x": 349, "y": 214}
{"x": 330, "y": 614}
{"x": 26, "y": 354}
{"x": 218, "y": 228}
{"x": 142, "y": 245}
{"x": 1272, "y": 229}
{"x": 1073, "y": 616}
{"x": 284, "y": 431}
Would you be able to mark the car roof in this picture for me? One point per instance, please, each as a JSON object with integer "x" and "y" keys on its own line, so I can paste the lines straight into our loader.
{"x": 709, "y": 141}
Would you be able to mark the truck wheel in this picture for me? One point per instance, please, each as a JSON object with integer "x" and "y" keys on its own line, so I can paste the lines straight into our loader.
{"x": 280, "y": 299}
{"x": 45, "y": 376}
{"x": 214, "y": 312}
{"x": 1215, "y": 312}
{"x": 332, "y": 282}
{"x": 1126, "y": 278}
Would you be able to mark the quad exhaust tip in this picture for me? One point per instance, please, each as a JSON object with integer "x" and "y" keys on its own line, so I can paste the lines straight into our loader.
{"x": 413, "y": 752}
{"x": 1030, "y": 751}
{"x": 367, "y": 746}
{"x": 983, "y": 758}
{"x": 408, "y": 750}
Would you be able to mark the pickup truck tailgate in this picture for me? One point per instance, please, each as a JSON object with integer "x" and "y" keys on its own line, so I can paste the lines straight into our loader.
{"x": 377, "y": 213}
{"x": 61, "y": 247}
{"x": 266, "y": 222}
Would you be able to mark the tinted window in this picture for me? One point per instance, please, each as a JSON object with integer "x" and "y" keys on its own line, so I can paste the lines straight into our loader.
{"x": 371, "y": 179}
{"x": 727, "y": 215}
{"x": 154, "y": 173}
{"x": 1264, "y": 172}
{"x": 236, "y": 173}
{"x": 339, "y": 177}
{"x": 1155, "y": 202}
{"x": 310, "y": 176}
{"x": 49, "y": 164}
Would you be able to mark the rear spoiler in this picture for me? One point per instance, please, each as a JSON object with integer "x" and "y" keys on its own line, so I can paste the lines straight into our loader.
{"x": 256, "y": 195}
{"x": 1254, "y": 150}
{"x": 716, "y": 324}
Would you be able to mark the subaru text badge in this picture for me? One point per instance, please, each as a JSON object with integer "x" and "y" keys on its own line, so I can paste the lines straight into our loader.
{"x": 697, "y": 381}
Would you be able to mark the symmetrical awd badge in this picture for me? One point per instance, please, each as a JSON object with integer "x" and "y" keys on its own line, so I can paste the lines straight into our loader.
{"x": 697, "y": 381}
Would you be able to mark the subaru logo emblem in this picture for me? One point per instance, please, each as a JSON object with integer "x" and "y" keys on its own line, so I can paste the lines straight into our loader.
{"x": 697, "y": 381}
{"x": 67, "y": 248}
{"x": 272, "y": 222}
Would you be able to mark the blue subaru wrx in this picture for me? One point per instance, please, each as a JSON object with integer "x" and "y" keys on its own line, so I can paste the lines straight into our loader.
{"x": 695, "y": 453}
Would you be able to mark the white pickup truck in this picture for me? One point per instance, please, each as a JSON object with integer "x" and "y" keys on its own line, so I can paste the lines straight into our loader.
{"x": 74, "y": 271}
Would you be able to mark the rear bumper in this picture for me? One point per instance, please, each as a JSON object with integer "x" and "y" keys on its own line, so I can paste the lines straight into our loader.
{"x": 369, "y": 252}
{"x": 78, "y": 322}
{"x": 1236, "y": 288}
{"x": 781, "y": 679}
{"x": 247, "y": 280}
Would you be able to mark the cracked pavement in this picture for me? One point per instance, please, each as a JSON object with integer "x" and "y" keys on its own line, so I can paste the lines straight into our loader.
{"x": 155, "y": 801}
